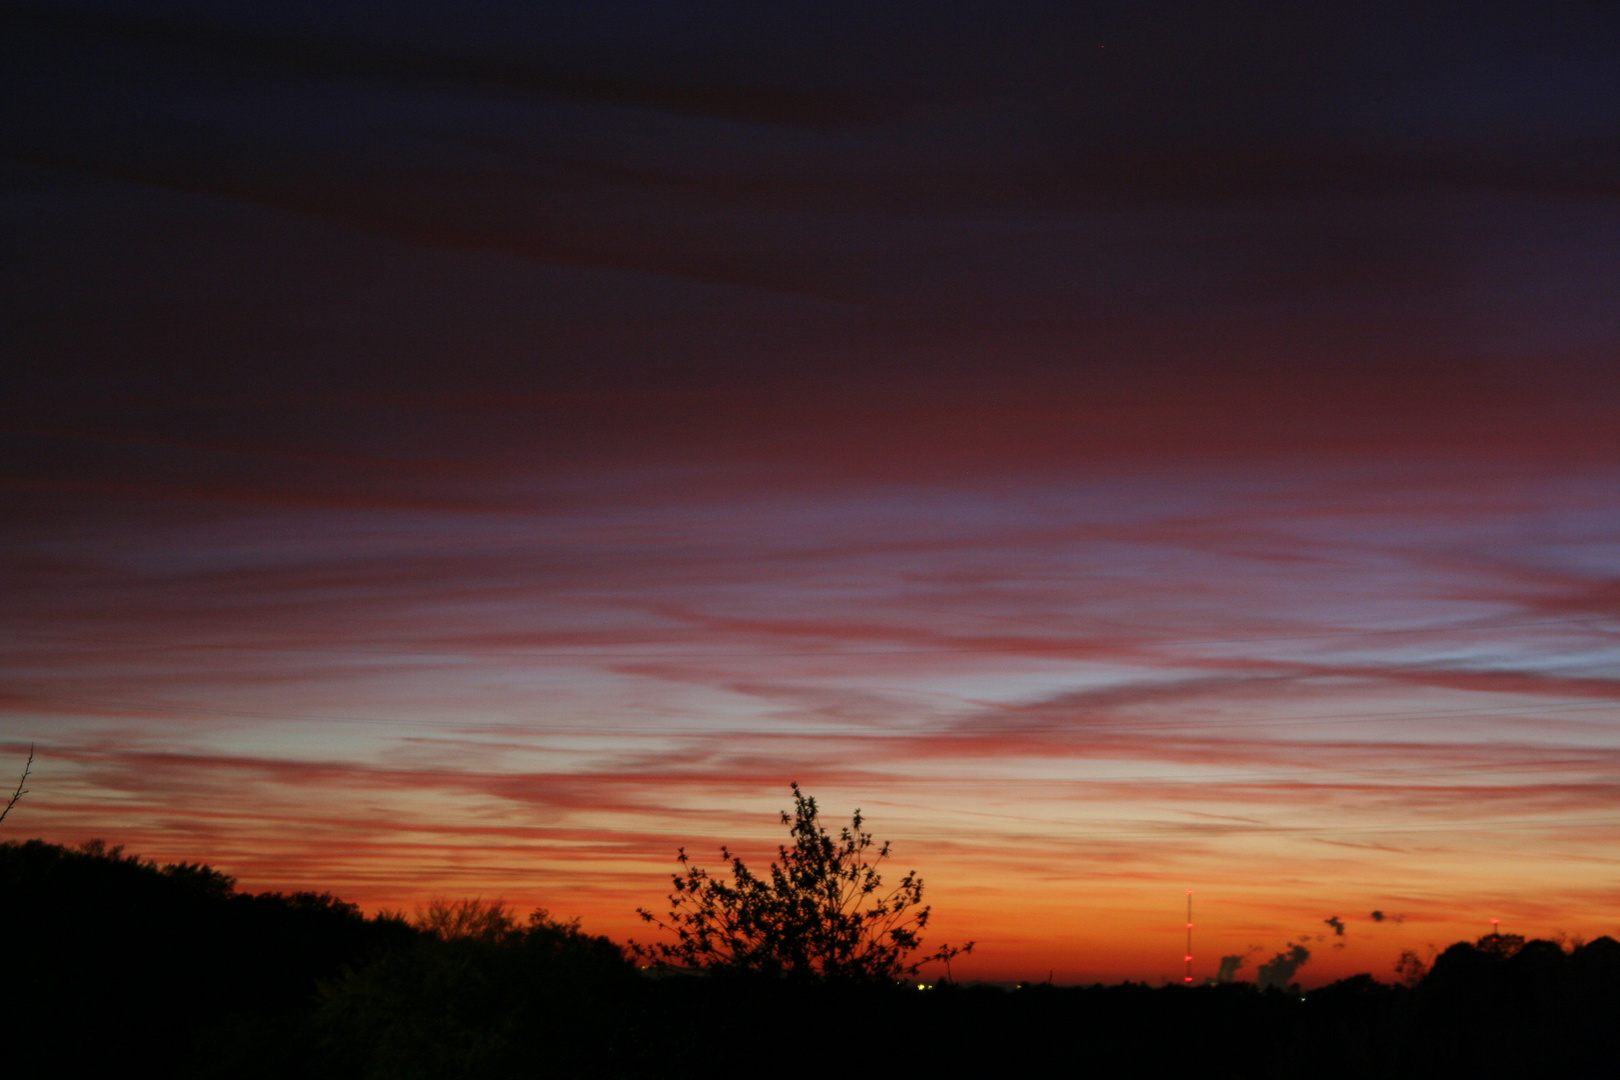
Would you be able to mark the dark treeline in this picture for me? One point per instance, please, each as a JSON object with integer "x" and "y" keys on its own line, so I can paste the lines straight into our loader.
{"x": 115, "y": 965}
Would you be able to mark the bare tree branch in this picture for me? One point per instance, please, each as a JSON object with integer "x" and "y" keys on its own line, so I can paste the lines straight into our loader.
{"x": 21, "y": 791}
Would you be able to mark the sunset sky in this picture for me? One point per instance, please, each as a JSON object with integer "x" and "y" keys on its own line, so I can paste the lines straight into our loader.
{"x": 476, "y": 449}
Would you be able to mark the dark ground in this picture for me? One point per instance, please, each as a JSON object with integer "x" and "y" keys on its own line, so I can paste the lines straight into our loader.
{"x": 114, "y": 965}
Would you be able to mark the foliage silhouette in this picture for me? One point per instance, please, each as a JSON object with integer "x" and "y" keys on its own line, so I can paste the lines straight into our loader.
{"x": 152, "y": 957}
{"x": 1500, "y": 945}
{"x": 477, "y": 995}
{"x": 477, "y": 919}
{"x": 819, "y": 913}
{"x": 1410, "y": 968}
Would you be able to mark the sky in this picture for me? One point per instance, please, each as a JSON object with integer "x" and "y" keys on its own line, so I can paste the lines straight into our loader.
{"x": 1121, "y": 448}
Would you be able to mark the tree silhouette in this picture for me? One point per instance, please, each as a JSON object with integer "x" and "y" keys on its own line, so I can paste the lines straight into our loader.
{"x": 820, "y": 912}
{"x": 1500, "y": 945}
{"x": 1410, "y": 968}
{"x": 478, "y": 994}
{"x": 479, "y": 919}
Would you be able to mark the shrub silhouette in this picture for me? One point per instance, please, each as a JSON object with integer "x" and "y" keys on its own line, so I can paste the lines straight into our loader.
{"x": 153, "y": 959}
{"x": 820, "y": 912}
{"x": 1410, "y": 968}
{"x": 481, "y": 920}
{"x": 477, "y": 995}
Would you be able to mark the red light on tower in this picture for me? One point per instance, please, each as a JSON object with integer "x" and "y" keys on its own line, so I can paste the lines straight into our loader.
{"x": 1188, "y": 979}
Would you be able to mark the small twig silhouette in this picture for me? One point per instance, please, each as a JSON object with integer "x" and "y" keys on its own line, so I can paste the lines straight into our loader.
{"x": 21, "y": 791}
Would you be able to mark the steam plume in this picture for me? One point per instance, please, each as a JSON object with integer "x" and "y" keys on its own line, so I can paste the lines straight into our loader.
{"x": 1279, "y": 971}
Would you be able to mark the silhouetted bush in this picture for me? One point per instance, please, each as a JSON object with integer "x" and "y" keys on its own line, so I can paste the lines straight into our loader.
{"x": 481, "y": 997}
{"x": 819, "y": 912}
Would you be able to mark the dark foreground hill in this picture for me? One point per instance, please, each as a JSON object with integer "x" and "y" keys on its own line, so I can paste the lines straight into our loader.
{"x": 113, "y": 963}
{"x": 114, "y": 966}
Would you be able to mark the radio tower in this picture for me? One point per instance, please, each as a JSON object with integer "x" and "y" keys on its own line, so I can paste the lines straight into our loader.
{"x": 1189, "y": 938}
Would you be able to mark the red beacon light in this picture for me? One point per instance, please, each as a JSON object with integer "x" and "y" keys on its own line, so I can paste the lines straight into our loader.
{"x": 1188, "y": 957}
